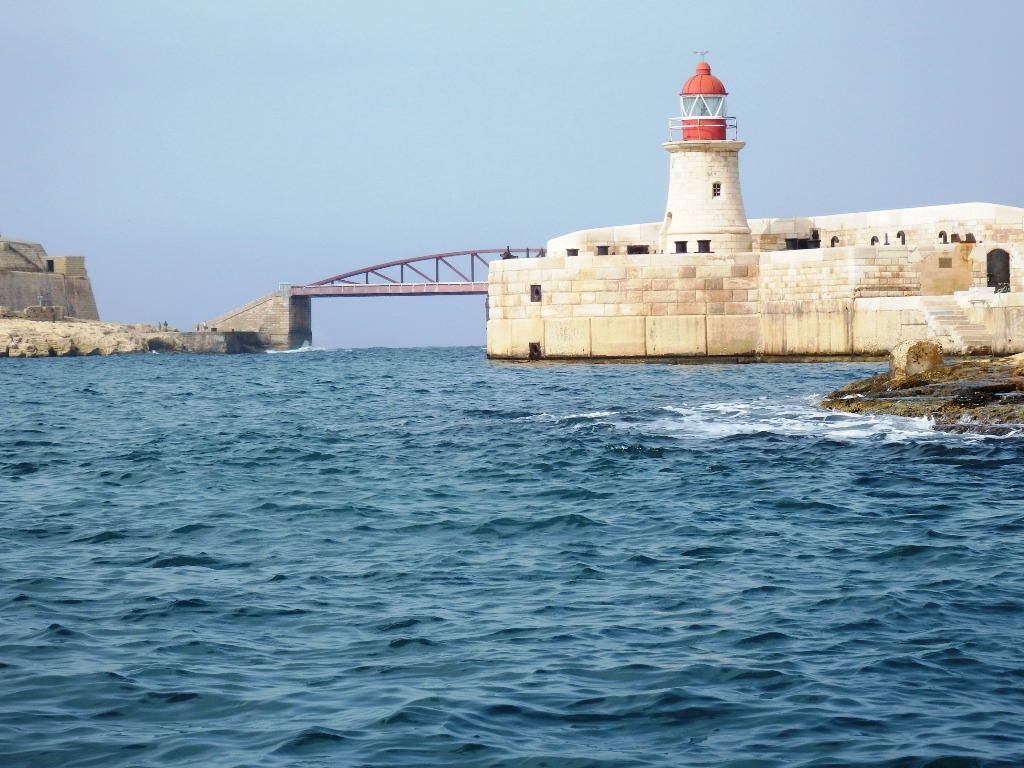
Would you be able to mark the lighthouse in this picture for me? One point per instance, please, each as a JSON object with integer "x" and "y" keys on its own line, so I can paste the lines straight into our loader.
{"x": 704, "y": 213}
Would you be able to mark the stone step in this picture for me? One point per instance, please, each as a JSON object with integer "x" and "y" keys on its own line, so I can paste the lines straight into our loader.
{"x": 953, "y": 329}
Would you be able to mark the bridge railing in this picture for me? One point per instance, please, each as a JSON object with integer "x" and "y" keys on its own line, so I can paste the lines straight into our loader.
{"x": 454, "y": 267}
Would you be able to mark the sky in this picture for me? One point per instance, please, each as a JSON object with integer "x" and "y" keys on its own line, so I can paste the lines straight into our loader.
{"x": 199, "y": 153}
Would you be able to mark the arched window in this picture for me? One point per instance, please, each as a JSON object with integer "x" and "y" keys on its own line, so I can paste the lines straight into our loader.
{"x": 834, "y": 241}
{"x": 998, "y": 264}
{"x": 902, "y": 236}
{"x": 954, "y": 238}
{"x": 942, "y": 237}
{"x": 874, "y": 240}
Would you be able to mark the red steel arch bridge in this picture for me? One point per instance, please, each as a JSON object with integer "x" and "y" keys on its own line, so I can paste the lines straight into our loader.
{"x": 284, "y": 319}
{"x": 453, "y": 273}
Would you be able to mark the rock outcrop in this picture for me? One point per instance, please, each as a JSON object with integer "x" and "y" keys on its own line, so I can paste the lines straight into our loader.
{"x": 910, "y": 357}
{"x": 21, "y": 337}
{"x": 981, "y": 396}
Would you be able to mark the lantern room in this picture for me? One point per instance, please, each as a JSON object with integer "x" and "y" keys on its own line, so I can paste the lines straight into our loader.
{"x": 704, "y": 116}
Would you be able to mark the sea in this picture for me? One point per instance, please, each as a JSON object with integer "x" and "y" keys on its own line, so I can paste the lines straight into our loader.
{"x": 419, "y": 557}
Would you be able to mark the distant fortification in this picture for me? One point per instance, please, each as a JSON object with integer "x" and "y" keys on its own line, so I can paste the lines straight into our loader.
{"x": 31, "y": 280}
{"x": 706, "y": 281}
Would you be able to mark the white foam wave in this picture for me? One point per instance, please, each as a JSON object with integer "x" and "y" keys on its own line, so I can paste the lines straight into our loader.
{"x": 796, "y": 417}
{"x": 571, "y": 417}
{"x": 303, "y": 348}
{"x": 716, "y": 421}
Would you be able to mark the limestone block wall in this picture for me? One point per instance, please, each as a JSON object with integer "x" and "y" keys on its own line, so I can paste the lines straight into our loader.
{"x": 879, "y": 324}
{"x": 72, "y": 266}
{"x": 839, "y": 327}
{"x": 624, "y": 306}
{"x": 945, "y": 269}
{"x": 844, "y": 301}
{"x": 19, "y": 290}
{"x": 806, "y": 327}
{"x": 836, "y": 273}
{"x": 280, "y": 320}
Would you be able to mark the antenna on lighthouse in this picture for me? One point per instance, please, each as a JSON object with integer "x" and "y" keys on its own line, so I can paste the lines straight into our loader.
{"x": 702, "y": 54}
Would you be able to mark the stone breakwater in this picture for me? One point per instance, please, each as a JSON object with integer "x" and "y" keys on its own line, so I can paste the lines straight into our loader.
{"x": 977, "y": 396}
{"x": 70, "y": 338}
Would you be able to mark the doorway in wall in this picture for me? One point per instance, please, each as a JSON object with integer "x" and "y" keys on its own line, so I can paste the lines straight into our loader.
{"x": 998, "y": 263}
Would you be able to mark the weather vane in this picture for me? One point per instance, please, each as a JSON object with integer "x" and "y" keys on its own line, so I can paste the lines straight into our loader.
{"x": 702, "y": 54}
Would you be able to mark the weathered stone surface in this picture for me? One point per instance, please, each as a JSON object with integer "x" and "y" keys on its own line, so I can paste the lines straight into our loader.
{"x": 21, "y": 337}
{"x": 984, "y": 396}
{"x": 914, "y": 356}
{"x": 44, "y": 313}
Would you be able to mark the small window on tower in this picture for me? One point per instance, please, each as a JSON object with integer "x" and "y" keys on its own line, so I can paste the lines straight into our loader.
{"x": 716, "y": 189}
{"x": 703, "y": 246}
{"x": 680, "y": 246}
{"x": 572, "y": 251}
{"x": 637, "y": 249}
{"x": 602, "y": 250}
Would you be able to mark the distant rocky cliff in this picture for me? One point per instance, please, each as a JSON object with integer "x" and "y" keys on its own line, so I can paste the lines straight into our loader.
{"x": 22, "y": 337}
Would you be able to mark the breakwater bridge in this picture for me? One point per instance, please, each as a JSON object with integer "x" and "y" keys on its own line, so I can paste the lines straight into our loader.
{"x": 284, "y": 319}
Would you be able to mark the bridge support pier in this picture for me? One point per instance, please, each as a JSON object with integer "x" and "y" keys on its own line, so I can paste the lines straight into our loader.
{"x": 280, "y": 320}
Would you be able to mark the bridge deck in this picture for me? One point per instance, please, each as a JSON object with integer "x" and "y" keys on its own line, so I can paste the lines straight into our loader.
{"x": 389, "y": 289}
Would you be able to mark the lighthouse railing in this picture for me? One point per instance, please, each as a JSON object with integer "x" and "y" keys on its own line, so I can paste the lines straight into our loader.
{"x": 676, "y": 125}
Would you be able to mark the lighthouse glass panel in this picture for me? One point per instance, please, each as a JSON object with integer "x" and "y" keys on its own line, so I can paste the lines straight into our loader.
{"x": 703, "y": 106}
{"x": 714, "y": 105}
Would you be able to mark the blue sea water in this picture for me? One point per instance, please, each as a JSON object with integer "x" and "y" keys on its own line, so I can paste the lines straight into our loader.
{"x": 419, "y": 557}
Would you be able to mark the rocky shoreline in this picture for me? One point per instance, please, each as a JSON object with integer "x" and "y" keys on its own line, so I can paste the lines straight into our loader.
{"x": 981, "y": 396}
{"x": 21, "y": 337}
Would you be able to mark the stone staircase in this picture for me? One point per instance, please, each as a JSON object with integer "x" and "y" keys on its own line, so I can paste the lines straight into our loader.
{"x": 951, "y": 328}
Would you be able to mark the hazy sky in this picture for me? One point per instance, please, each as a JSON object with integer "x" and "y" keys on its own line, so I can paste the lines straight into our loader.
{"x": 199, "y": 153}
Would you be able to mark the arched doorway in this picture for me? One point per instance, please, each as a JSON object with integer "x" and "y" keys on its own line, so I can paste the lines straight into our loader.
{"x": 998, "y": 264}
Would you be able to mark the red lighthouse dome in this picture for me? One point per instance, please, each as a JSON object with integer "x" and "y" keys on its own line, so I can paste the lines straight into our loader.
{"x": 703, "y": 105}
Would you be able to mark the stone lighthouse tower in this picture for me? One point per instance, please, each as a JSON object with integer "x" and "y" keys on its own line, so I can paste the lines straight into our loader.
{"x": 705, "y": 212}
